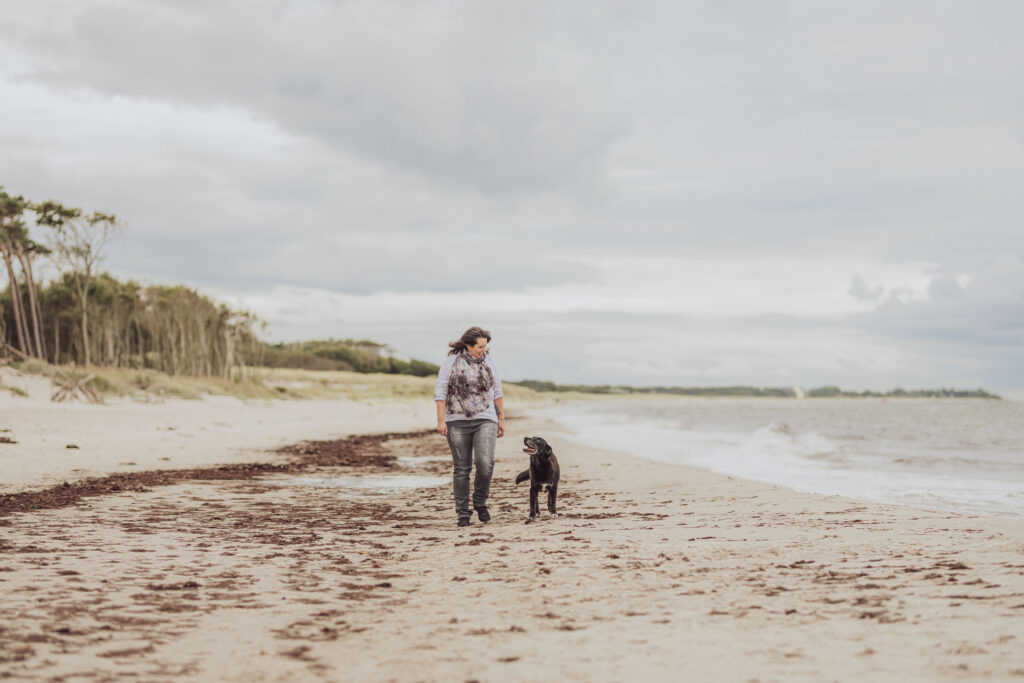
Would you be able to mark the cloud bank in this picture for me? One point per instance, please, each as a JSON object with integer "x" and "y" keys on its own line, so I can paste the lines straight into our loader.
{"x": 672, "y": 193}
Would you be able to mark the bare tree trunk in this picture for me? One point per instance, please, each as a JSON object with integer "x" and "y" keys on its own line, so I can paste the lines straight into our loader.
{"x": 84, "y": 298}
{"x": 16, "y": 306}
{"x": 229, "y": 353}
{"x": 142, "y": 348}
{"x": 173, "y": 349}
{"x": 33, "y": 301}
{"x": 186, "y": 346}
{"x": 108, "y": 333}
{"x": 203, "y": 349}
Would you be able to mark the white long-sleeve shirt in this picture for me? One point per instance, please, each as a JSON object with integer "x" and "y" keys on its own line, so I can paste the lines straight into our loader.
{"x": 441, "y": 389}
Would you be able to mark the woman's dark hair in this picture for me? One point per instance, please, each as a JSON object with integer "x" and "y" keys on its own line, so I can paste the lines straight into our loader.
{"x": 468, "y": 338}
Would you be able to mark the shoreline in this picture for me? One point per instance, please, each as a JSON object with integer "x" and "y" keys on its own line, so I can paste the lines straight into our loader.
{"x": 926, "y": 454}
{"x": 652, "y": 569}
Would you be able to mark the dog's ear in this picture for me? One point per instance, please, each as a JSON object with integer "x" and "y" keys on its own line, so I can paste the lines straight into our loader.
{"x": 545, "y": 449}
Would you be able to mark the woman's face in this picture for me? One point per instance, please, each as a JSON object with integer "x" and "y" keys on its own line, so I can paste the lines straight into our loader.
{"x": 479, "y": 348}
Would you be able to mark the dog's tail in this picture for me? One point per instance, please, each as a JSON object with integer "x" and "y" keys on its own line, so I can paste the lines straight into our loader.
{"x": 522, "y": 476}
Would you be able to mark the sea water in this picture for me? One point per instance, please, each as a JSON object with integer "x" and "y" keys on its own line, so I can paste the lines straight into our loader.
{"x": 962, "y": 455}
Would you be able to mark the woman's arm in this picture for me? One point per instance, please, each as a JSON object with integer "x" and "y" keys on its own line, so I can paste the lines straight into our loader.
{"x": 442, "y": 428}
{"x": 441, "y": 392}
{"x": 497, "y": 395}
{"x": 499, "y": 406}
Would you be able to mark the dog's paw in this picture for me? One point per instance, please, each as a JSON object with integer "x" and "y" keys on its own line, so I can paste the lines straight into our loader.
{"x": 554, "y": 514}
{"x": 529, "y": 519}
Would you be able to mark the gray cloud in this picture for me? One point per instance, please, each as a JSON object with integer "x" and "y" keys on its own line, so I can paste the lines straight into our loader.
{"x": 860, "y": 290}
{"x": 479, "y": 99}
{"x": 741, "y": 128}
{"x": 355, "y": 266}
{"x": 971, "y": 329}
{"x": 419, "y": 147}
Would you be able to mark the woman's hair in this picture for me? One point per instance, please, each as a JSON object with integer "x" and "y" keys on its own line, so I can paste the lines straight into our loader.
{"x": 468, "y": 338}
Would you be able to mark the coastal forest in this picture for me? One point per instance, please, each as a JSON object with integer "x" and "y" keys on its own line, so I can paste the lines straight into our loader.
{"x": 84, "y": 316}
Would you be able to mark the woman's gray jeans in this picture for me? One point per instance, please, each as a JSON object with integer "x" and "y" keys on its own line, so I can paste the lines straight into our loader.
{"x": 472, "y": 443}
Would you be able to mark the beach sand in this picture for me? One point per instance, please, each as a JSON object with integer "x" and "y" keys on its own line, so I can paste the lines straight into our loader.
{"x": 58, "y": 442}
{"x": 652, "y": 571}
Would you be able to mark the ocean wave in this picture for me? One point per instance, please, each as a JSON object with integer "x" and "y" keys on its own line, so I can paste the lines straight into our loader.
{"x": 901, "y": 455}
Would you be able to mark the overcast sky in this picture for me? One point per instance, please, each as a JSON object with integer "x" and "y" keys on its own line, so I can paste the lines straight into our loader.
{"x": 688, "y": 193}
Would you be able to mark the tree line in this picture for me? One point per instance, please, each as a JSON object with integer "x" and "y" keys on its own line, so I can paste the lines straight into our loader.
{"x": 84, "y": 316}
{"x": 357, "y": 355}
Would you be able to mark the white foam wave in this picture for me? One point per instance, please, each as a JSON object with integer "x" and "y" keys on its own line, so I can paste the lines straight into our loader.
{"x": 804, "y": 460}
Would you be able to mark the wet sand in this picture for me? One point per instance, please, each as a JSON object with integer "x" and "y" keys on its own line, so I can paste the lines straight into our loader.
{"x": 652, "y": 571}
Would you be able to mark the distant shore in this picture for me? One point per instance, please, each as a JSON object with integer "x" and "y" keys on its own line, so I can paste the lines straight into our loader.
{"x": 753, "y": 391}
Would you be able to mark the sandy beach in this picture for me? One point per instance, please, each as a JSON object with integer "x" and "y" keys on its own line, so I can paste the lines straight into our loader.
{"x": 245, "y": 566}
{"x": 753, "y": 269}
{"x": 58, "y": 442}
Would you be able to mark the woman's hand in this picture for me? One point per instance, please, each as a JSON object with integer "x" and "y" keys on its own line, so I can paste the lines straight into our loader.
{"x": 501, "y": 427}
{"x": 442, "y": 428}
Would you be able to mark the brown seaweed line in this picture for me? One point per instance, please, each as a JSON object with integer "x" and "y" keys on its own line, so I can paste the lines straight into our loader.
{"x": 354, "y": 451}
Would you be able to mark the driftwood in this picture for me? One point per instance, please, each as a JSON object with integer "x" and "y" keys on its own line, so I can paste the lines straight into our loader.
{"x": 15, "y": 351}
{"x": 75, "y": 388}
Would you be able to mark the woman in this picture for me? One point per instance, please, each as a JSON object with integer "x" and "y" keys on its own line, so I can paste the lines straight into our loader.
{"x": 471, "y": 413}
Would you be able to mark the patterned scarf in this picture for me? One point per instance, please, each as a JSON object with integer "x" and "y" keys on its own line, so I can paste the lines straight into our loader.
{"x": 469, "y": 386}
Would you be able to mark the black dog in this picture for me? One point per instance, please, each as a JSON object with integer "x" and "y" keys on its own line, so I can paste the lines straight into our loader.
{"x": 543, "y": 471}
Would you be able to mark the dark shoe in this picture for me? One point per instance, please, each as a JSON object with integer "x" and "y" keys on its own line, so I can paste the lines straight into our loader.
{"x": 483, "y": 514}
{"x": 463, "y": 521}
